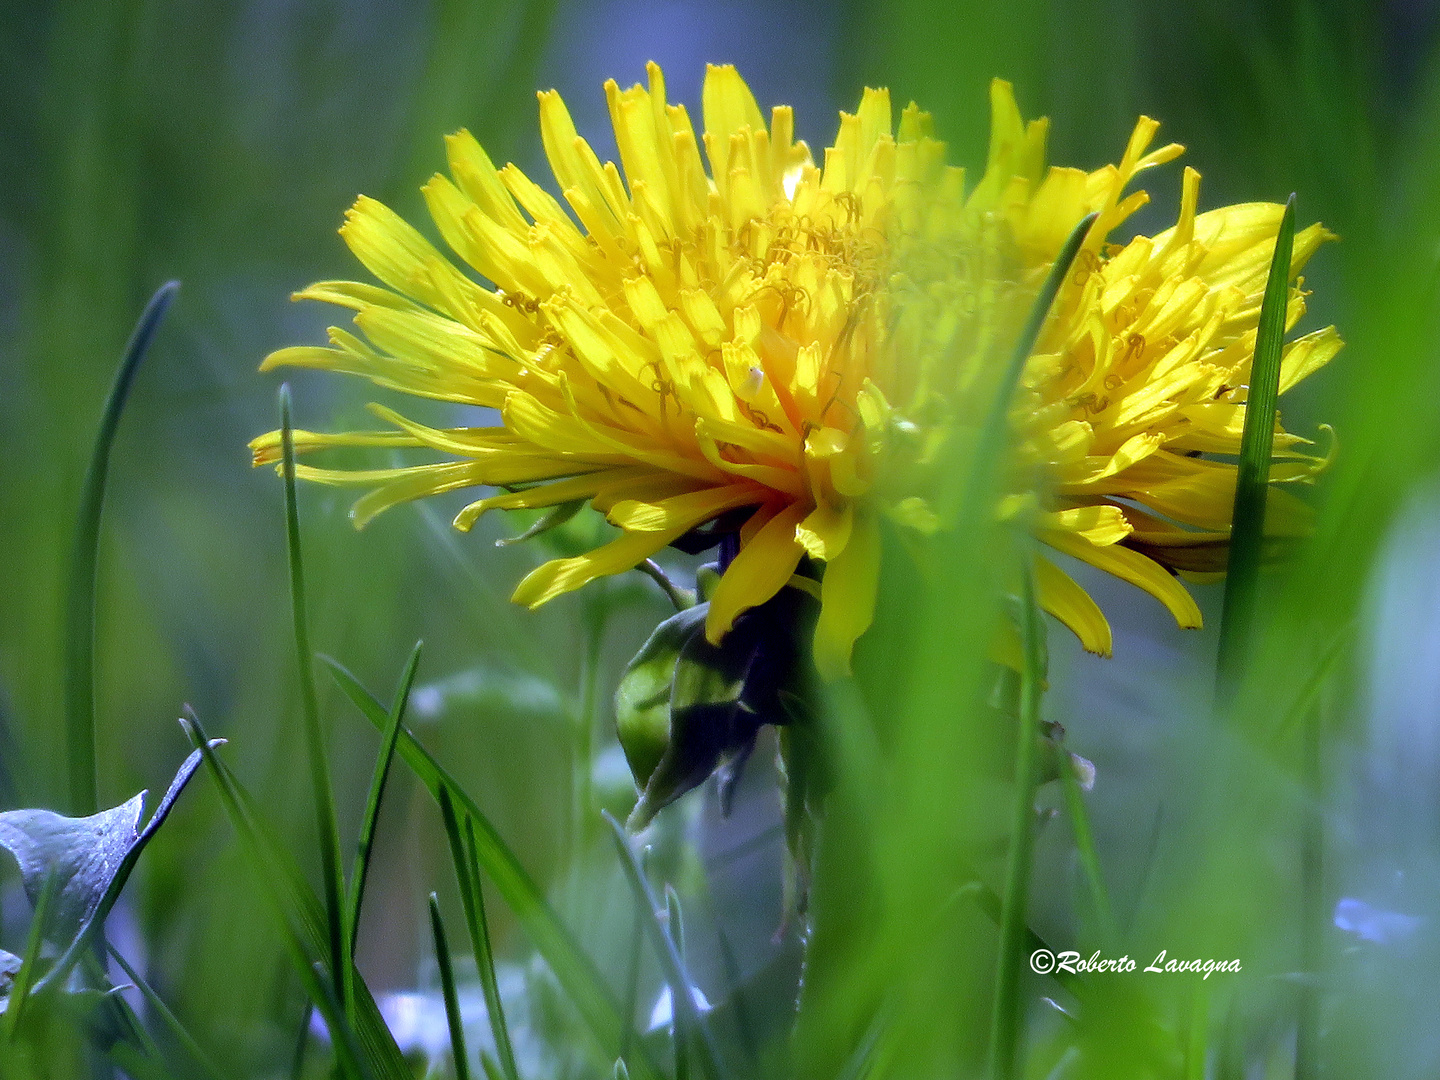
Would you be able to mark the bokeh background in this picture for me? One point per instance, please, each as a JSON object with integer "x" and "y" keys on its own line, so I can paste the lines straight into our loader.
{"x": 219, "y": 144}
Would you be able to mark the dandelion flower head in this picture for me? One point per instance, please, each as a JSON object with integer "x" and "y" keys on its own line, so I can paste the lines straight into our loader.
{"x": 724, "y": 332}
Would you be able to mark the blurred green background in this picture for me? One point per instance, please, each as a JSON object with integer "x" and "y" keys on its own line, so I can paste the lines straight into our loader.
{"x": 220, "y": 143}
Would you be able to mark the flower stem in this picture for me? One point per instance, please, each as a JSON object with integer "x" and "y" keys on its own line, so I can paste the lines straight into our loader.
{"x": 1006, "y": 1020}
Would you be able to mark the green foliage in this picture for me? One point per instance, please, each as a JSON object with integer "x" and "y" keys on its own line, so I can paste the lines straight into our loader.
{"x": 80, "y": 609}
{"x": 575, "y": 970}
{"x": 220, "y": 144}
{"x": 1257, "y": 446}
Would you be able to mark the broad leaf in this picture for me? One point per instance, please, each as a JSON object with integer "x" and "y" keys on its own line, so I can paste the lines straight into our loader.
{"x": 90, "y": 857}
{"x": 9, "y": 968}
{"x": 83, "y": 853}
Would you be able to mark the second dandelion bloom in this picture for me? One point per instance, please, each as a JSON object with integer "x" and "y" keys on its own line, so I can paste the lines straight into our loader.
{"x": 727, "y": 335}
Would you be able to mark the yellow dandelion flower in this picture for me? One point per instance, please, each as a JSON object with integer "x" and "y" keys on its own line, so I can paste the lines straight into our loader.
{"x": 790, "y": 345}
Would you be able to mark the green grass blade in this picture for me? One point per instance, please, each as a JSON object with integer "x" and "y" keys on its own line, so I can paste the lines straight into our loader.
{"x": 302, "y": 1042}
{"x": 996, "y": 431}
{"x": 1198, "y": 1039}
{"x": 1316, "y": 679}
{"x": 325, "y": 823}
{"x": 1006, "y": 1019}
{"x": 84, "y": 557}
{"x": 447, "y": 987}
{"x": 574, "y": 969}
{"x": 1085, "y": 846}
{"x": 138, "y": 1065}
{"x": 319, "y": 989}
{"x": 682, "y": 1004}
{"x": 25, "y": 977}
{"x": 124, "y": 1015}
{"x": 291, "y": 898}
{"x": 368, "y": 824}
{"x": 632, "y": 984}
{"x": 172, "y": 1022}
{"x": 680, "y": 1030}
{"x": 467, "y": 873}
{"x": 1257, "y": 445}
{"x": 485, "y": 959}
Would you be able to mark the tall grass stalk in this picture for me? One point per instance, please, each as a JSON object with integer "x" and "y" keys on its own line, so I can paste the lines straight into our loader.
{"x": 172, "y": 1022}
{"x": 1007, "y": 1016}
{"x": 1085, "y": 848}
{"x": 273, "y": 881}
{"x": 369, "y": 823}
{"x": 447, "y": 988}
{"x": 327, "y": 828}
{"x": 682, "y": 1003}
{"x": 472, "y": 900}
{"x": 1312, "y": 898}
{"x": 1252, "y": 484}
{"x": 84, "y": 559}
{"x": 29, "y": 960}
{"x": 573, "y": 968}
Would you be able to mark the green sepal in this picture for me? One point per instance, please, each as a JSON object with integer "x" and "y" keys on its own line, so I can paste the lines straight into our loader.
{"x": 642, "y": 700}
{"x": 686, "y": 708}
{"x": 553, "y": 518}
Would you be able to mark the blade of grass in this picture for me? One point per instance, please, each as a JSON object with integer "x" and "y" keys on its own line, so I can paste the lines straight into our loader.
{"x": 861, "y": 1062}
{"x": 467, "y": 873}
{"x": 172, "y": 1022}
{"x": 1314, "y": 682}
{"x": 1199, "y": 1034}
{"x": 25, "y": 977}
{"x": 368, "y": 823}
{"x": 319, "y": 989}
{"x": 138, "y": 1065}
{"x": 84, "y": 557}
{"x": 744, "y": 1026}
{"x": 990, "y": 904}
{"x": 632, "y": 983}
{"x": 1085, "y": 847}
{"x": 1257, "y": 445}
{"x": 291, "y": 897}
{"x": 486, "y": 958}
{"x": 679, "y": 1029}
{"x": 1007, "y": 1017}
{"x": 1313, "y": 909}
{"x": 995, "y": 433}
{"x": 573, "y": 968}
{"x": 124, "y": 1015}
{"x": 302, "y": 1042}
{"x": 682, "y": 1004}
{"x": 326, "y": 827}
{"x": 447, "y": 987}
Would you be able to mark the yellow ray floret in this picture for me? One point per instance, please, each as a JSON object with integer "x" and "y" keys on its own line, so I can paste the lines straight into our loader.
{"x": 721, "y": 325}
